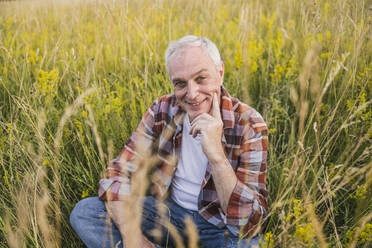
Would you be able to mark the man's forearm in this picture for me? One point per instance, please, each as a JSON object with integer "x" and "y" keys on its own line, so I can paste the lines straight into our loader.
{"x": 116, "y": 213}
{"x": 224, "y": 179}
{"x": 115, "y": 210}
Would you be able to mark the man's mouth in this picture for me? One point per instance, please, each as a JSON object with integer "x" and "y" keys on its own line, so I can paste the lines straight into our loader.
{"x": 195, "y": 104}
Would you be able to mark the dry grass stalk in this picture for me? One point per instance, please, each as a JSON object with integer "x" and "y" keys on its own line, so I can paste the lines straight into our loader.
{"x": 192, "y": 233}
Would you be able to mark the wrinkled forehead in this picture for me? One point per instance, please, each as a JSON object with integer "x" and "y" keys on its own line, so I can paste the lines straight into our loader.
{"x": 187, "y": 62}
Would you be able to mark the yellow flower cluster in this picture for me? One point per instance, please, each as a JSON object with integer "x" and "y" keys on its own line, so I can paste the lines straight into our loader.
{"x": 360, "y": 192}
{"x": 255, "y": 49}
{"x": 365, "y": 236}
{"x": 268, "y": 242}
{"x": 238, "y": 55}
{"x": 46, "y": 84}
{"x": 3, "y": 138}
{"x": 297, "y": 208}
{"x": 85, "y": 193}
{"x": 46, "y": 162}
{"x": 304, "y": 232}
{"x": 278, "y": 73}
{"x": 32, "y": 56}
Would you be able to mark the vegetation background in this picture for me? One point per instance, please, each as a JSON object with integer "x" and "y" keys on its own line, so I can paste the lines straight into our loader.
{"x": 77, "y": 76}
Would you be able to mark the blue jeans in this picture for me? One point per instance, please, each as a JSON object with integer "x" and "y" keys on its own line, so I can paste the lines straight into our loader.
{"x": 89, "y": 220}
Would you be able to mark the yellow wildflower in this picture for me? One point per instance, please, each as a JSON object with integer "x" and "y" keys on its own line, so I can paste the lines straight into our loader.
{"x": 84, "y": 114}
{"x": 85, "y": 193}
{"x": 288, "y": 217}
{"x": 46, "y": 162}
{"x": 32, "y": 56}
{"x": 272, "y": 130}
{"x": 366, "y": 234}
{"x": 320, "y": 37}
{"x": 305, "y": 234}
{"x": 238, "y": 55}
{"x": 328, "y": 36}
{"x": 331, "y": 171}
{"x": 46, "y": 84}
{"x": 325, "y": 55}
{"x": 79, "y": 126}
{"x": 117, "y": 105}
{"x": 9, "y": 127}
{"x": 255, "y": 50}
{"x": 364, "y": 237}
{"x": 278, "y": 74}
{"x": 360, "y": 192}
{"x": 269, "y": 240}
{"x": 297, "y": 208}
{"x": 222, "y": 15}
{"x": 8, "y": 23}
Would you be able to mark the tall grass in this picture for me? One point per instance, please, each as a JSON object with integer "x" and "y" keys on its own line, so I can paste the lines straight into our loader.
{"x": 77, "y": 76}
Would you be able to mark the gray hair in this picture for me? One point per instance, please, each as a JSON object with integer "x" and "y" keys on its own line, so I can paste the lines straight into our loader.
{"x": 191, "y": 40}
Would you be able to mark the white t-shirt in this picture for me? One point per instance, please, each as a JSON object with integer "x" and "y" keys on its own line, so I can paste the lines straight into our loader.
{"x": 190, "y": 170}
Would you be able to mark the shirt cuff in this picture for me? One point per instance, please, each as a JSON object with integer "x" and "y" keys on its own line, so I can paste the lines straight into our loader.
{"x": 116, "y": 187}
{"x": 243, "y": 207}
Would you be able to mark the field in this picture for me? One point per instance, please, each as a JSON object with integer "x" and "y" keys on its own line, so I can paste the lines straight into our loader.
{"x": 77, "y": 76}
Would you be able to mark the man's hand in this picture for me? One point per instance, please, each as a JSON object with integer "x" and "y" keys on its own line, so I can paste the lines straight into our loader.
{"x": 210, "y": 127}
{"x": 115, "y": 210}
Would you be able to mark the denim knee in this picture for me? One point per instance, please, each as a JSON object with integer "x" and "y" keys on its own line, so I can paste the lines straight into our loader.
{"x": 89, "y": 220}
{"x": 84, "y": 210}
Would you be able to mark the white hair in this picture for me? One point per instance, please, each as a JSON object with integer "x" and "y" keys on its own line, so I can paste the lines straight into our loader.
{"x": 197, "y": 41}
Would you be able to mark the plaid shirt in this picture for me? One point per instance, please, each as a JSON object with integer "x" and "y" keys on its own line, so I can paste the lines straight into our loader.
{"x": 244, "y": 140}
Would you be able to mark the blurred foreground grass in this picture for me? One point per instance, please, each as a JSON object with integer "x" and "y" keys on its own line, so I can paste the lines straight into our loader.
{"x": 77, "y": 76}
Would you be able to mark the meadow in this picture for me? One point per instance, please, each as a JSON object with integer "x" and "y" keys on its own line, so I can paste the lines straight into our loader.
{"x": 77, "y": 76}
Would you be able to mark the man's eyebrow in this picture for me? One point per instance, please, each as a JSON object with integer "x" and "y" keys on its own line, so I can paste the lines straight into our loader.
{"x": 196, "y": 73}
{"x": 193, "y": 75}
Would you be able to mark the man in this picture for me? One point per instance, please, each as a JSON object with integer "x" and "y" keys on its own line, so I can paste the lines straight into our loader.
{"x": 221, "y": 146}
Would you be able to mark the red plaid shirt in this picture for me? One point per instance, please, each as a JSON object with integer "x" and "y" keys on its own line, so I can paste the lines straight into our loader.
{"x": 244, "y": 140}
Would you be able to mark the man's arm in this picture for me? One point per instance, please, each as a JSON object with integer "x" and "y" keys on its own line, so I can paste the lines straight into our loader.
{"x": 116, "y": 212}
{"x": 224, "y": 180}
{"x": 242, "y": 193}
{"x": 247, "y": 205}
{"x": 210, "y": 127}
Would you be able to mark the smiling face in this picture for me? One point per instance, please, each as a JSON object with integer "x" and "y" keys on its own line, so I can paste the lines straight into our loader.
{"x": 195, "y": 78}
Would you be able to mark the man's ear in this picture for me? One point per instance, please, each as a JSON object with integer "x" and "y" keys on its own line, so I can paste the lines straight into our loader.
{"x": 221, "y": 71}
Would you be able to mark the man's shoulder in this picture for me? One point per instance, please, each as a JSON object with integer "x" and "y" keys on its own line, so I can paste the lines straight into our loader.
{"x": 247, "y": 115}
{"x": 165, "y": 104}
{"x": 167, "y": 99}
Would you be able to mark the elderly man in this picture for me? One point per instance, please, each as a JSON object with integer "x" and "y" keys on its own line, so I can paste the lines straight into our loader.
{"x": 220, "y": 175}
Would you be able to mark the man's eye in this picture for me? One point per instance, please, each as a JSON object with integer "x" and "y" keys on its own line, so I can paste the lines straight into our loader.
{"x": 179, "y": 84}
{"x": 201, "y": 78}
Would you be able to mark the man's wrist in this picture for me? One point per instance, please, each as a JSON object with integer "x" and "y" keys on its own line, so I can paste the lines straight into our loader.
{"x": 214, "y": 151}
{"x": 218, "y": 159}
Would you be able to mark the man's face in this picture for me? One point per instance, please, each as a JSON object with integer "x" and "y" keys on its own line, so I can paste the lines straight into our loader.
{"x": 195, "y": 78}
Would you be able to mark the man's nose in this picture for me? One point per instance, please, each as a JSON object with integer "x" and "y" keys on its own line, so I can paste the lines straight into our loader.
{"x": 192, "y": 90}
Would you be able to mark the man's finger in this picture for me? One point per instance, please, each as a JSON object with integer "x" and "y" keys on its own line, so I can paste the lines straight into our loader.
{"x": 216, "y": 106}
{"x": 200, "y": 117}
{"x": 194, "y": 130}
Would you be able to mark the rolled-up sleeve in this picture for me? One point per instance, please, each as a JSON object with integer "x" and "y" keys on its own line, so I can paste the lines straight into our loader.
{"x": 248, "y": 202}
{"x": 115, "y": 184}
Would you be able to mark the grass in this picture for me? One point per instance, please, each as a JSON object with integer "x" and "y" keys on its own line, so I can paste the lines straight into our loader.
{"x": 77, "y": 76}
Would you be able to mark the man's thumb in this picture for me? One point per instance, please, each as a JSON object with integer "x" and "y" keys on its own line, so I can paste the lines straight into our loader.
{"x": 216, "y": 107}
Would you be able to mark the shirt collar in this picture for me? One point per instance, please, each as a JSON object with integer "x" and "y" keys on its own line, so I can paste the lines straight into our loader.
{"x": 227, "y": 112}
